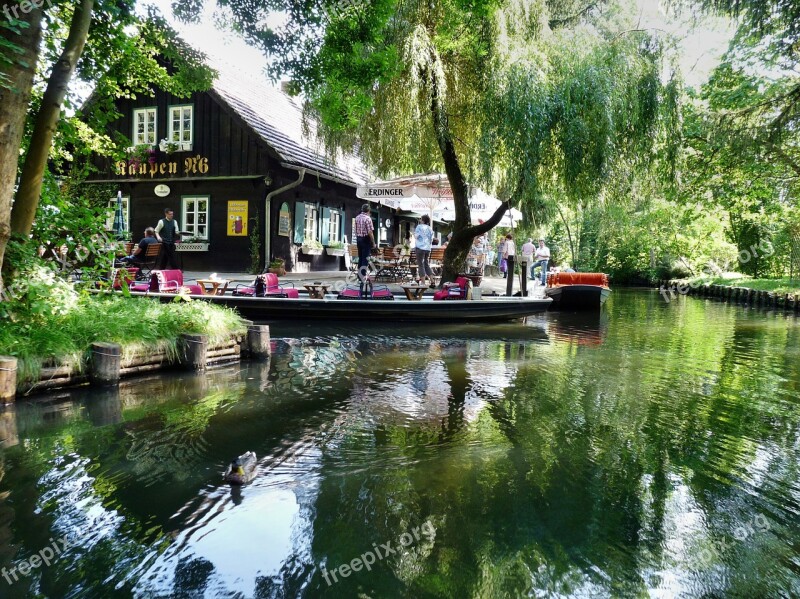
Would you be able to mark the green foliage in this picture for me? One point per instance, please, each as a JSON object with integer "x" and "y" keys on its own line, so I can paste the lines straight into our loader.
{"x": 46, "y": 320}
{"x": 255, "y": 245}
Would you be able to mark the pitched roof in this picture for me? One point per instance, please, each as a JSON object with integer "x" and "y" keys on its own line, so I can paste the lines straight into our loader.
{"x": 277, "y": 118}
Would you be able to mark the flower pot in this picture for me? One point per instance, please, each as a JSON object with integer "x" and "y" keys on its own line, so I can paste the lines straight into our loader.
{"x": 280, "y": 271}
{"x": 309, "y": 251}
{"x": 334, "y": 251}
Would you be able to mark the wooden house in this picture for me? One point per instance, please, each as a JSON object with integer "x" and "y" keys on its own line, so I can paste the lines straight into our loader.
{"x": 242, "y": 178}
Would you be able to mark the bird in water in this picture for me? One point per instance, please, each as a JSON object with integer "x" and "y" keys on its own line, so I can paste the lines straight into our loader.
{"x": 242, "y": 469}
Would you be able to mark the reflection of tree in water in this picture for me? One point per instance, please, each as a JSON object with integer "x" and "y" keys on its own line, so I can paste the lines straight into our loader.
{"x": 191, "y": 578}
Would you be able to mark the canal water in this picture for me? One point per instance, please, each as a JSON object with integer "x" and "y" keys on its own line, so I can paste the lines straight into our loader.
{"x": 650, "y": 450}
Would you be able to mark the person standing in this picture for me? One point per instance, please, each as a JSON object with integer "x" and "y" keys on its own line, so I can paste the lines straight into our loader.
{"x": 542, "y": 258}
{"x": 528, "y": 250}
{"x": 365, "y": 240}
{"x": 501, "y": 257}
{"x": 167, "y": 232}
{"x": 510, "y": 255}
{"x": 424, "y": 236}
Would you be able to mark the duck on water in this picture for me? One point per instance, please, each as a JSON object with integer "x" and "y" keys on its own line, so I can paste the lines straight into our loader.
{"x": 241, "y": 470}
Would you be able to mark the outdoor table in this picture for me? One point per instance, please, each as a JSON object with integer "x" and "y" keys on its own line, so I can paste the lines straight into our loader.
{"x": 213, "y": 286}
{"x": 317, "y": 290}
{"x": 414, "y": 292}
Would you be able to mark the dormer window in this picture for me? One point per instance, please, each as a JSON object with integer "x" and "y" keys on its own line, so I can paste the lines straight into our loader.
{"x": 144, "y": 126}
{"x": 180, "y": 126}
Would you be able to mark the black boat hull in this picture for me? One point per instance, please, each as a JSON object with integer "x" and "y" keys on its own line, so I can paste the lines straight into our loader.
{"x": 397, "y": 310}
{"x": 577, "y": 297}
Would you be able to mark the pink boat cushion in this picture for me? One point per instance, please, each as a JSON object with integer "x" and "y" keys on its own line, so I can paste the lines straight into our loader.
{"x": 382, "y": 293}
{"x": 350, "y": 293}
{"x": 455, "y": 290}
{"x": 273, "y": 288}
{"x": 171, "y": 281}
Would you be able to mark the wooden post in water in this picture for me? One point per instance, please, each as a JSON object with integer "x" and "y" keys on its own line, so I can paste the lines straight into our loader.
{"x": 258, "y": 341}
{"x": 8, "y": 379}
{"x": 194, "y": 351}
{"x": 105, "y": 363}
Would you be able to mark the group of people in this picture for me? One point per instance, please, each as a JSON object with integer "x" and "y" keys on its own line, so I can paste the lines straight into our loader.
{"x": 423, "y": 240}
{"x": 537, "y": 257}
{"x": 166, "y": 232}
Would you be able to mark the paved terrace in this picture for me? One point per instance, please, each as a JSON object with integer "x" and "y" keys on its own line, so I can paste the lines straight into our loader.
{"x": 489, "y": 285}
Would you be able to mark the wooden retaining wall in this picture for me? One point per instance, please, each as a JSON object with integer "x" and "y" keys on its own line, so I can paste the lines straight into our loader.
{"x": 739, "y": 295}
{"x": 106, "y": 367}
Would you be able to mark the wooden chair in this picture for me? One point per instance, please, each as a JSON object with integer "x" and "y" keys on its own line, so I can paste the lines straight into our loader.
{"x": 352, "y": 249}
{"x": 436, "y": 260}
{"x": 150, "y": 259}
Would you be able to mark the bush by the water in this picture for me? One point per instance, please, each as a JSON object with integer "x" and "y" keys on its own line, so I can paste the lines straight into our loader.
{"x": 46, "y": 321}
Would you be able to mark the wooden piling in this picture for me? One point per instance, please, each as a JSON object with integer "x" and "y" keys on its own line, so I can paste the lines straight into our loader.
{"x": 194, "y": 349}
{"x": 258, "y": 341}
{"x": 105, "y": 363}
{"x": 8, "y": 379}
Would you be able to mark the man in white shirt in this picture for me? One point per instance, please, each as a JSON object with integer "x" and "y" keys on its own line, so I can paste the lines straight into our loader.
{"x": 542, "y": 258}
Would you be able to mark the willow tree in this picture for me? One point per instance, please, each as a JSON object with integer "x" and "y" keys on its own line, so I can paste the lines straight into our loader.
{"x": 430, "y": 86}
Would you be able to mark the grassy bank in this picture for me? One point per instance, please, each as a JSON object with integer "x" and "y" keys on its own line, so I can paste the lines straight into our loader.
{"x": 59, "y": 332}
{"x": 781, "y": 286}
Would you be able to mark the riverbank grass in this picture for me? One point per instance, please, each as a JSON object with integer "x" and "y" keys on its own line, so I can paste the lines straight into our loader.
{"x": 63, "y": 336}
{"x": 735, "y": 279}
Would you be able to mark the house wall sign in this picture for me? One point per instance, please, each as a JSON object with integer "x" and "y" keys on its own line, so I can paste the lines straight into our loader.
{"x": 191, "y": 165}
{"x": 162, "y": 190}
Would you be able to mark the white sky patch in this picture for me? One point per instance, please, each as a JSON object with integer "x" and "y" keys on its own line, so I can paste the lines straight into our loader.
{"x": 702, "y": 42}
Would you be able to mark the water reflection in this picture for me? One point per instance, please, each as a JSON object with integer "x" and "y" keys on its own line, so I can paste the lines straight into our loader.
{"x": 650, "y": 449}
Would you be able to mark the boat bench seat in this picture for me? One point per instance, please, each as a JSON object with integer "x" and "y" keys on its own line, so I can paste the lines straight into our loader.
{"x": 166, "y": 281}
{"x": 577, "y": 278}
{"x": 266, "y": 285}
{"x": 460, "y": 289}
{"x": 378, "y": 292}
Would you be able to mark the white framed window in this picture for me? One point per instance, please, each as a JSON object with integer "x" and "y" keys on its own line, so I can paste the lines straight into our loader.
{"x": 181, "y": 125}
{"x": 144, "y": 126}
{"x": 111, "y": 213}
{"x": 310, "y": 223}
{"x": 335, "y": 226}
{"x": 195, "y": 217}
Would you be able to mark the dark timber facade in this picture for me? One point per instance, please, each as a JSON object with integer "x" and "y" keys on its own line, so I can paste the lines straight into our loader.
{"x": 221, "y": 160}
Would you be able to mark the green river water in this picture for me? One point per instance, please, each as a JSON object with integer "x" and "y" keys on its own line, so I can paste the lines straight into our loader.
{"x": 649, "y": 450}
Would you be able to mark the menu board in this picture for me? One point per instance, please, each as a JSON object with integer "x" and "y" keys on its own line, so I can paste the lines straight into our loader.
{"x": 284, "y": 220}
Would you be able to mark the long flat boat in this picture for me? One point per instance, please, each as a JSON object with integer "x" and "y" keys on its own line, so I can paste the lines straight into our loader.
{"x": 577, "y": 290}
{"x": 487, "y": 309}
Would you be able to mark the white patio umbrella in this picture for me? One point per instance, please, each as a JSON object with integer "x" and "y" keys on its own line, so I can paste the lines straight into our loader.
{"x": 432, "y": 194}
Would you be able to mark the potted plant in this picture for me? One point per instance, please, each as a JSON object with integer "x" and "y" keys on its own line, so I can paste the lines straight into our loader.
{"x": 335, "y": 248}
{"x": 276, "y": 267}
{"x": 139, "y": 154}
{"x": 312, "y": 247}
{"x": 168, "y": 146}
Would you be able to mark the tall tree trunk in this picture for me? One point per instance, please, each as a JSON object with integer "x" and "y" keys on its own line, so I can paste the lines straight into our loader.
{"x": 569, "y": 236}
{"x": 16, "y": 82}
{"x": 30, "y": 186}
{"x": 464, "y": 232}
